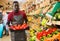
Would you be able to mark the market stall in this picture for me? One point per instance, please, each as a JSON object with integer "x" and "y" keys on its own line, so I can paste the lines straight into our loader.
{"x": 43, "y": 19}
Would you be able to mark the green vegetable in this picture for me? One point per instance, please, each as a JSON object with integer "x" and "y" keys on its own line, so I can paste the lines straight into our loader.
{"x": 49, "y": 35}
{"x": 36, "y": 16}
{"x": 33, "y": 38}
{"x": 40, "y": 30}
{"x": 44, "y": 21}
{"x": 42, "y": 39}
{"x": 32, "y": 34}
{"x": 41, "y": 15}
{"x": 58, "y": 10}
{"x": 57, "y": 16}
{"x": 56, "y": 32}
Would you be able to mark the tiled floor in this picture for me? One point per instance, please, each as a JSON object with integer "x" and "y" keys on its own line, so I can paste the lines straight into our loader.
{"x": 5, "y": 38}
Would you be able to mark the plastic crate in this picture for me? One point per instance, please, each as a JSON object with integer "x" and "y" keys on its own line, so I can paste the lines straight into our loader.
{"x": 56, "y": 6}
{"x": 18, "y": 35}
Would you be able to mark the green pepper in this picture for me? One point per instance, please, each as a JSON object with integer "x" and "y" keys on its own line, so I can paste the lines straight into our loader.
{"x": 40, "y": 30}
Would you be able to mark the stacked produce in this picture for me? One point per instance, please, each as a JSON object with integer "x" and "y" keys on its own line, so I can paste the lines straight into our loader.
{"x": 45, "y": 35}
{"x": 39, "y": 30}
{"x": 57, "y": 15}
{"x": 19, "y": 27}
{"x": 49, "y": 34}
{"x": 54, "y": 38}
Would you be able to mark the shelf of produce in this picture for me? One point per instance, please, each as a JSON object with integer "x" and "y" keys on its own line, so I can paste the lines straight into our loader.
{"x": 56, "y": 22}
{"x": 55, "y": 37}
{"x": 34, "y": 12}
{"x": 30, "y": 14}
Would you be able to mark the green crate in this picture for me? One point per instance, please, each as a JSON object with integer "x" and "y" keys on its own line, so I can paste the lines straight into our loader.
{"x": 56, "y": 6}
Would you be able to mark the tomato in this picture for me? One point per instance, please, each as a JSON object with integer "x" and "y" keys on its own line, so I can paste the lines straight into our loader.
{"x": 49, "y": 31}
{"x": 12, "y": 27}
{"x": 54, "y": 29}
{"x": 19, "y": 27}
{"x": 39, "y": 35}
{"x": 16, "y": 27}
{"x": 44, "y": 33}
{"x": 22, "y": 27}
{"x": 25, "y": 26}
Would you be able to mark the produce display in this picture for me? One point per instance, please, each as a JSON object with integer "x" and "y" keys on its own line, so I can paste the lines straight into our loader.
{"x": 53, "y": 38}
{"x": 39, "y": 30}
{"x": 45, "y": 35}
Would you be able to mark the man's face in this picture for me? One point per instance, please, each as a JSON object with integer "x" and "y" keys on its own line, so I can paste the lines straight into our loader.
{"x": 16, "y": 7}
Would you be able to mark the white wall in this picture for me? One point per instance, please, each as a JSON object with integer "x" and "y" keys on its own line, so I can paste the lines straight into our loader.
{"x": 19, "y": 0}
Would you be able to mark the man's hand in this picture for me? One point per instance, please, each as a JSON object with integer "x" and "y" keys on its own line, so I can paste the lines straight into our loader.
{"x": 26, "y": 20}
{"x": 8, "y": 23}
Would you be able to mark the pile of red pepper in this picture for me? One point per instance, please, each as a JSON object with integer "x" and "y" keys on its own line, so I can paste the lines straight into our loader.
{"x": 45, "y": 32}
{"x": 19, "y": 27}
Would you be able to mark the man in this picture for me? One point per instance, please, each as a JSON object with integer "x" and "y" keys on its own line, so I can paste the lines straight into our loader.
{"x": 17, "y": 17}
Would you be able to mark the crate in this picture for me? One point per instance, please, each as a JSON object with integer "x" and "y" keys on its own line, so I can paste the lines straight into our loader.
{"x": 56, "y": 6}
{"x": 18, "y": 35}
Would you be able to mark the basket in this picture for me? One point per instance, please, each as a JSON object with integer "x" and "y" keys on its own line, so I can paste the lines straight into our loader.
{"x": 18, "y": 35}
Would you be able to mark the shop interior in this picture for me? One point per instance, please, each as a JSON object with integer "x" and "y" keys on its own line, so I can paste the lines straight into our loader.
{"x": 43, "y": 18}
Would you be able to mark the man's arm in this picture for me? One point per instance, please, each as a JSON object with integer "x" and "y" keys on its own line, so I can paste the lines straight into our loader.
{"x": 8, "y": 23}
{"x": 25, "y": 18}
{"x": 9, "y": 19}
